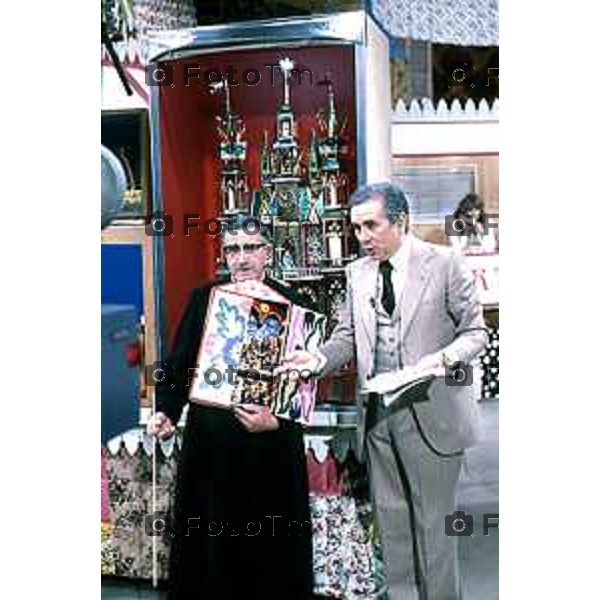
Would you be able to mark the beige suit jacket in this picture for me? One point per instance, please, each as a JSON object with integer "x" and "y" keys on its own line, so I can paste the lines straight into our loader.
{"x": 439, "y": 310}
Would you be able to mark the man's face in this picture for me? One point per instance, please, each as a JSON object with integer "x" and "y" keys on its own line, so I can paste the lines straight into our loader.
{"x": 378, "y": 237}
{"x": 247, "y": 255}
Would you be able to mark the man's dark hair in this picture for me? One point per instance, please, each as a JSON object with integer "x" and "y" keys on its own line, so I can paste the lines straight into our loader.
{"x": 393, "y": 197}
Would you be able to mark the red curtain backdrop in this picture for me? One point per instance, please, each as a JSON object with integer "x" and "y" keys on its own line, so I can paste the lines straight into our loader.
{"x": 190, "y": 166}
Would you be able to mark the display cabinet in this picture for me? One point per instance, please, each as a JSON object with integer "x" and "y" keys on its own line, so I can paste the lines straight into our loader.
{"x": 282, "y": 119}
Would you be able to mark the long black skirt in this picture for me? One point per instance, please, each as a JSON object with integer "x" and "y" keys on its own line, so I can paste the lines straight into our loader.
{"x": 242, "y": 520}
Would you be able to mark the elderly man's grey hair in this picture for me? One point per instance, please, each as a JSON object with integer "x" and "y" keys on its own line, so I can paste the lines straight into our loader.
{"x": 249, "y": 225}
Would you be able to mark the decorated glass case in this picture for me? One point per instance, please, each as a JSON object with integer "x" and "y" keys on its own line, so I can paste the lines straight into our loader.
{"x": 282, "y": 119}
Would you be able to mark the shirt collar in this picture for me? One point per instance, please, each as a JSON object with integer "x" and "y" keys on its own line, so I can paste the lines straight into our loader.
{"x": 399, "y": 259}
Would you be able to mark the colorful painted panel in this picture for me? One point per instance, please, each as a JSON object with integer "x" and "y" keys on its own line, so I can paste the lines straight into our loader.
{"x": 245, "y": 338}
{"x": 297, "y": 397}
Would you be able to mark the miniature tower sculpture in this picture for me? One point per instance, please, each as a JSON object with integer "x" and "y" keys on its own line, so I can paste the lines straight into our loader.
{"x": 283, "y": 187}
{"x": 302, "y": 203}
{"x": 286, "y": 152}
{"x": 232, "y": 152}
{"x": 334, "y": 183}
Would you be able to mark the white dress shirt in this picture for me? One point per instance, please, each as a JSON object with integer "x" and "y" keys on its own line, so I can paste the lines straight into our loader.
{"x": 399, "y": 262}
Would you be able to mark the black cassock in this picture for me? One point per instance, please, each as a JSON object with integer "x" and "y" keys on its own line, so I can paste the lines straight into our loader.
{"x": 242, "y": 519}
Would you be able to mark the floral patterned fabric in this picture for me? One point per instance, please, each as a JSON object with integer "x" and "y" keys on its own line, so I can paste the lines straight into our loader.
{"x": 459, "y": 22}
{"x": 346, "y": 552}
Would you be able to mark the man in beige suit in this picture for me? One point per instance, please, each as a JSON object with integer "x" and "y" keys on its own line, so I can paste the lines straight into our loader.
{"x": 408, "y": 303}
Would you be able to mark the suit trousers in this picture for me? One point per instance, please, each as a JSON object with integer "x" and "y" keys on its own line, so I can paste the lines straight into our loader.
{"x": 413, "y": 489}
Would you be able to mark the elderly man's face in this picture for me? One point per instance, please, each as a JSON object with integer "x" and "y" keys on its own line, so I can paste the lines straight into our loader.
{"x": 247, "y": 255}
{"x": 378, "y": 237}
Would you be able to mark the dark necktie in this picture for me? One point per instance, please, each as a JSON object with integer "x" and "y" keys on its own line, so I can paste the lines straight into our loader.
{"x": 388, "y": 299}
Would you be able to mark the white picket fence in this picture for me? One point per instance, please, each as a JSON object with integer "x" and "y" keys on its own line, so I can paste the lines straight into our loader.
{"x": 422, "y": 129}
{"x": 423, "y": 109}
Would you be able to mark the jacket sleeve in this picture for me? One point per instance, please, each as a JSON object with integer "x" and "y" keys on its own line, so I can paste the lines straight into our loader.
{"x": 465, "y": 310}
{"x": 172, "y": 392}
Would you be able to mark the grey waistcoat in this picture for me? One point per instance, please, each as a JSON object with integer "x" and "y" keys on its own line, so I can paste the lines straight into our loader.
{"x": 387, "y": 348}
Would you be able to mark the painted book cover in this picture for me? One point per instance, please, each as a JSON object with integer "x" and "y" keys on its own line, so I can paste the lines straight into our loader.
{"x": 248, "y": 331}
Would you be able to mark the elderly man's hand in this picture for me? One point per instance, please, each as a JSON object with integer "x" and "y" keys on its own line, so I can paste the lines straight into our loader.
{"x": 160, "y": 425}
{"x": 256, "y": 418}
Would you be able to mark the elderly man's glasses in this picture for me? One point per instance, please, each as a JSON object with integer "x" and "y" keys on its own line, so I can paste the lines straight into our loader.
{"x": 237, "y": 249}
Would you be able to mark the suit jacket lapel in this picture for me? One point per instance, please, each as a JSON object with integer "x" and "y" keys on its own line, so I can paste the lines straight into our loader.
{"x": 366, "y": 291}
{"x": 417, "y": 277}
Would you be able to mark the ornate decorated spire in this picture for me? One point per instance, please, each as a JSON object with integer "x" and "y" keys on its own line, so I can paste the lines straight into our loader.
{"x": 265, "y": 158}
{"x": 232, "y": 152}
{"x": 222, "y": 86}
{"x": 332, "y": 119}
{"x": 314, "y": 169}
{"x": 286, "y": 65}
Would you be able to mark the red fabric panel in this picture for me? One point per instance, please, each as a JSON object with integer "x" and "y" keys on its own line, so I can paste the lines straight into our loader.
{"x": 324, "y": 478}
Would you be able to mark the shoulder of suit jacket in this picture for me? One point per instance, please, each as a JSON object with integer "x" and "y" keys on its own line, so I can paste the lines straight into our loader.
{"x": 359, "y": 263}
